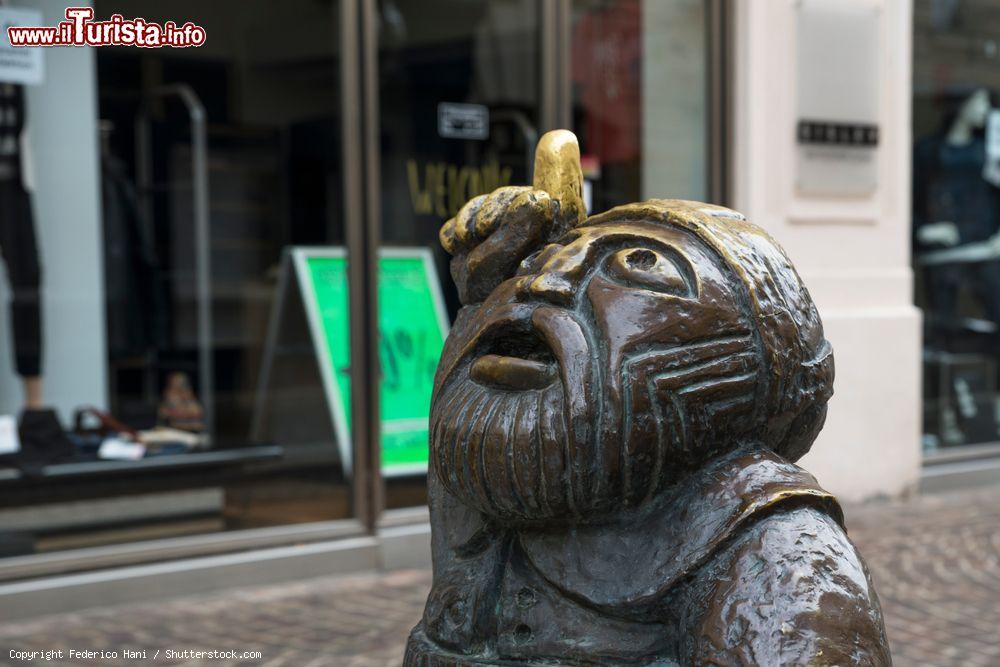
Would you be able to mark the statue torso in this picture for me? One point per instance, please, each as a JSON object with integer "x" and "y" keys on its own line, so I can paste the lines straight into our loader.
{"x": 616, "y": 593}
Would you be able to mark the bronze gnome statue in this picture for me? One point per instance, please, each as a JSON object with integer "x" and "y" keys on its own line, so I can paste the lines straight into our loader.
{"x": 615, "y": 417}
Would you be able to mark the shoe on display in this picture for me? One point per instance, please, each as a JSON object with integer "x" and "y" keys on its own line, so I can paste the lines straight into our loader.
{"x": 43, "y": 441}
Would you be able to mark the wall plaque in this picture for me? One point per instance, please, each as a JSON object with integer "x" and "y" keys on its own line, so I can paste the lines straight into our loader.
{"x": 838, "y": 86}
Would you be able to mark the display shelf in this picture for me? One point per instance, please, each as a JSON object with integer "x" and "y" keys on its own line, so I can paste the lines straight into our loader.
{"x": 79, "y": 469}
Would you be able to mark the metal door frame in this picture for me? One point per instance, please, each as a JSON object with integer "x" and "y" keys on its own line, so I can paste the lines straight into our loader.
{"x": 362, "y": 222}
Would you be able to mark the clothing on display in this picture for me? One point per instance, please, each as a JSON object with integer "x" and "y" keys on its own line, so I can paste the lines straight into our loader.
{"x": 948, "y": 186}
{"x": 607, "y": 67}
{"x": 607, "y": 77}
{"x": 44, "y": 442}
{"x": 134, "y": 294}
{"x": 18, "y": 245}
{"x": 956, "y": 218}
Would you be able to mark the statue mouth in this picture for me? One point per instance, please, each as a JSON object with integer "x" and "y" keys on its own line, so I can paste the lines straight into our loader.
{"x": 525, "y": 347}
{"x": 514, "y": 373}
{"x": 516, "y": 357}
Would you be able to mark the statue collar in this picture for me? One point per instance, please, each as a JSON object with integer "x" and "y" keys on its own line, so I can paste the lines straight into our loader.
{"x": 636, "y": 564}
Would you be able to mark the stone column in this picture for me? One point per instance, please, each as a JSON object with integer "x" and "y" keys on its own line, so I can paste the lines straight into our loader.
{"x": 852, "y": 251}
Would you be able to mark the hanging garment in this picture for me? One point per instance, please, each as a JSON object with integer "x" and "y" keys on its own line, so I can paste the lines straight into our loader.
{"x": 18, "y": 245}
{"x": 948, "y": 186}
{"x": 136, "y": 302}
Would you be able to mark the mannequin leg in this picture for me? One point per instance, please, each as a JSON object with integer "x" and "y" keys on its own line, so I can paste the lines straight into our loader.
{"x": 20, "y": 253}
{"x": 33, "y": 393}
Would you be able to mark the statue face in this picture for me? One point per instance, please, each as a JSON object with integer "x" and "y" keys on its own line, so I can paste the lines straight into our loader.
{"x": 612, "y": 364}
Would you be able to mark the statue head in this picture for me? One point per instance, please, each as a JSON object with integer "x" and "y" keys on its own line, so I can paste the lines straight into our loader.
{"x": 625, "y": 351}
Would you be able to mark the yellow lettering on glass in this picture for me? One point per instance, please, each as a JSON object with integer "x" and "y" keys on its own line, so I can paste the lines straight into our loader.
{"x": 446, "y": 187}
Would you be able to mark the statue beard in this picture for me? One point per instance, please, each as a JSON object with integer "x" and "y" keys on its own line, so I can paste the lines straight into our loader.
{"x": 507, "y": 453}
{"x": 560, "y": 453}
{"x": 533, "y": 457}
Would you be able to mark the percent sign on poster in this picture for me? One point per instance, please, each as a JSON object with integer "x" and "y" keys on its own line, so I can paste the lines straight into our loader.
{"x": 412, "y": 328}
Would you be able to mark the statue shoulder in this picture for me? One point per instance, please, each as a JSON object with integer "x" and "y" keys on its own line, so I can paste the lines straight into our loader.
{"x": 790, "y": 589}
{"x": 634, "y": 565}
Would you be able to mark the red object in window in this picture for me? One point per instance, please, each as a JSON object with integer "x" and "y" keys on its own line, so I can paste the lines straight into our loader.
{"x": 607, "y": 70}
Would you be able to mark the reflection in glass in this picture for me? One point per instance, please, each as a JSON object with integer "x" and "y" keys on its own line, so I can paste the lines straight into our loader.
{"x": 267, "y": 80}
{"x": 956, "y": 218}
{"x": 458, "y": 93}
{"x": 639, "y": 106}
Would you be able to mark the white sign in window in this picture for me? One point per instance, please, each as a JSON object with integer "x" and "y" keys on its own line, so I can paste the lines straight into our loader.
{"x": 463, "y": 121}
{"x": 25, "y": 64}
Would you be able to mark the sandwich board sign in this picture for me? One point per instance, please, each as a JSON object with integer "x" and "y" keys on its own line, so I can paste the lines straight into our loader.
{"x": 413, "y": 325}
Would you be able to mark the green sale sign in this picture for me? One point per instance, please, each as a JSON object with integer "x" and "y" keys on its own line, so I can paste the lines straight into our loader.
{"x": 412, "y": 328}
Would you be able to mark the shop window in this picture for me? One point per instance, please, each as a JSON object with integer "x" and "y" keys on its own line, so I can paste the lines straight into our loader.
{"x": 638, "y": 76}
{"x": 160, "y": 400}
{"x": 956, "y": 217}
{"x": 193, "y": 369}
{"x": 459, "y": 116}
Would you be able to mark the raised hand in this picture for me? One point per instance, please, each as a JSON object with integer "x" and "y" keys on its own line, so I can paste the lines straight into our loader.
{"x": 493, "y": 233}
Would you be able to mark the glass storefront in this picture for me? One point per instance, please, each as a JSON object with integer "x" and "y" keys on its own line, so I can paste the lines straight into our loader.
{"x": 956, "y": 217}
{"x": 459, "y": 94}
{"x": 214, "y": 166}
{"x": 639, "y": 95}
{"x": 183, "y": 355}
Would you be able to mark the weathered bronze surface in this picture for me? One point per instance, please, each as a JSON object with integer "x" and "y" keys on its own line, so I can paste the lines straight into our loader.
{"x": 615, "y": 416}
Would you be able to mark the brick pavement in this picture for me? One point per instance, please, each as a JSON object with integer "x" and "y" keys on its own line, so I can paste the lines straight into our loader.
{"x": 936, "y": 565}
{"x": 935, "y": 560}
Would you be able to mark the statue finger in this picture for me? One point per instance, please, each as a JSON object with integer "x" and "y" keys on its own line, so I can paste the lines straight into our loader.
{"x": 525, "y": 228}
{"x": 455, "y": 233}
{"x": 558, "y": 172}
{"x": 495, "y": 210}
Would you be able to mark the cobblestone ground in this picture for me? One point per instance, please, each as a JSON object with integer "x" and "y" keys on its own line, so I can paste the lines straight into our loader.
{"x": 936, "y": 565}
{"x": 934, "y": 560}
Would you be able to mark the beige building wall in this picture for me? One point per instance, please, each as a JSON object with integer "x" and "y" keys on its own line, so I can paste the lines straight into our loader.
{"x": 852, "y": 252}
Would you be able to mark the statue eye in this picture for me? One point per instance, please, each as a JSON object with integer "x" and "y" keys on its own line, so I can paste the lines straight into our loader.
{"x": 647, "y": 268}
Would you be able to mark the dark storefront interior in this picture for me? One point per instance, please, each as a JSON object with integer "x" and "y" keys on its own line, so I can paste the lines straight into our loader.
{"x": 208, "y": 329}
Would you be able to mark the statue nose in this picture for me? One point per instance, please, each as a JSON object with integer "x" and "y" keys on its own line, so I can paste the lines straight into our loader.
{"x": 552, "y": 287}
{"x": 560, "y": 272}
